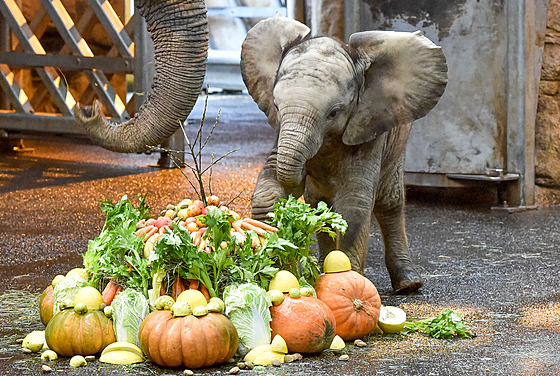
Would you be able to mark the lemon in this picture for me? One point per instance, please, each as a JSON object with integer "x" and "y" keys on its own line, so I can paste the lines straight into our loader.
{"x": 283, "y": 281}
{"x": 80, "y": 272}
{"x": 256, "y": 352}
{"x": 200, "y": 311}
{"x": 391, "y": 319}
{"x": 181, "y": 308}
{"x": 121, "y": 357}
{"x": 193, "y": 297}
{"x": 90, "y": 296}
{"x": 123, "y": 346}
{"x": 278, "y": 344}
{"x": 336, "y": 261}
{"x": 57, "y": 279}
{"x": 266, "y": 358}
{"x": 217, "y": 302}
{"x": 276, "y": 296}
{"x": 337, "y": 343}
{"x": 34, "y": 341}
{"x": 78, "y": 361}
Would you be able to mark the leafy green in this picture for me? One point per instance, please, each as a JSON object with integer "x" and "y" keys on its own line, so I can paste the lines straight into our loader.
{"x": 177, "y": 255}
{"x": 67, "y": 289}
{"x": 256, "y": 265}
{"x": 228, "y": 262}
{"x": 446, "y": 325}
{"x": 220, "y": 260}
{"x": 298, "y": 222}
{"x": 130, "y": 307}
{"x": 247, "y": 306}
{"x": 117, "y": 252}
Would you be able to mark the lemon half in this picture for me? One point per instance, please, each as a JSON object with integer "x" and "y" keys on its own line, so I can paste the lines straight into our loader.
{"x": 336, "y": 261}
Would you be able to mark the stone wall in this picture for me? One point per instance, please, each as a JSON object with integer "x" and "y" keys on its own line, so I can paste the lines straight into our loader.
{"x": 547, "y": 128}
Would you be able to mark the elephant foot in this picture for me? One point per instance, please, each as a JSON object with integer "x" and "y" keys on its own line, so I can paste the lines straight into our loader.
{"x": 405, "y": 278}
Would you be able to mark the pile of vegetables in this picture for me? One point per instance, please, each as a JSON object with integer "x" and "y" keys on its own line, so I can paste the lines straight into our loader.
{"x": 151, "y": 286}
{"x": 205, "y": 246}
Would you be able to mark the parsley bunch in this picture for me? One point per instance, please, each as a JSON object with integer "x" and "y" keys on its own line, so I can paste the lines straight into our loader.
{"x": 298, "y": 222}
{"x": 446, "y": 325}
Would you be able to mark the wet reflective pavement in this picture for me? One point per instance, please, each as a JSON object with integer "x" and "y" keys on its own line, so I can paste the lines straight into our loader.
{"x": 500, "y": 271}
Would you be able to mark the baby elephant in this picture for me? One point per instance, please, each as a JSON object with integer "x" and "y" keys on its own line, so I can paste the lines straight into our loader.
{"x": 343, "y": 114}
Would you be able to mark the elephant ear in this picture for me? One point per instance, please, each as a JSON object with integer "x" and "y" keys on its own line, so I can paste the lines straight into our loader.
{"x": 261, "y": 54}
{"x": 405, "y": 74}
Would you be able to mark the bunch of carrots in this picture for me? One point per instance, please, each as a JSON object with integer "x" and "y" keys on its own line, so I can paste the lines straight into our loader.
{"x": 189, "y": 214}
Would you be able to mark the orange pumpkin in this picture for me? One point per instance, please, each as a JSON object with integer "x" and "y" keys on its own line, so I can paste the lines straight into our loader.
{"x": 354, "y": 301}
{"x": 189, "y": 341}
{"x": 306, "y": 324}
{"x": 70, "y": 333}
{"x": 46, "y": 305}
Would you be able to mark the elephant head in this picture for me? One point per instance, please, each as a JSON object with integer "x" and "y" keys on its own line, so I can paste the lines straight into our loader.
{"x": 313, "y": 88}
{"x": 179, "y": 30}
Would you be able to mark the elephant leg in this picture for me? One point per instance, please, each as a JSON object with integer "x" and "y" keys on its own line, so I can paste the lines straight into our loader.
{"x": 353, "y": 199}
{"x": 268, "y": 190}
{"x": 389, "y": 211}
{"x": 356, "y": 239}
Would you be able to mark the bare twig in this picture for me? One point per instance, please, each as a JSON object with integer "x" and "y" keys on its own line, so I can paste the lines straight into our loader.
{"x": 194, "y": 150}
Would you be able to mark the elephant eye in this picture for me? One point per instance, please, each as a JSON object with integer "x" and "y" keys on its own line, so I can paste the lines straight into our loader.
{"x": 334, "y": 112}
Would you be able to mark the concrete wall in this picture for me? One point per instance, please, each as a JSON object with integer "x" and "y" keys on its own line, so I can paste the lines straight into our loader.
{"x": 486, "y": 118}
{"x": 465, "y": 132}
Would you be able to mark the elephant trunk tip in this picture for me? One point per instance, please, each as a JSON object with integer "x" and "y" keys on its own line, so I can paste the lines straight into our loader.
{"x": 289, "y": 179}
{"x": 87, "y": 114}
{"x": 101, "y": 131}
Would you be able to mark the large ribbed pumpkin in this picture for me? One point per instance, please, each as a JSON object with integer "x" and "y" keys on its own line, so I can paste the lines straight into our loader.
{"x": 188, "y": 341}
{"x": 70, "y": 333}
{"x": 354, "y": 301}
{"x": 46, "y": 305}
{"x": 306, "y": 324}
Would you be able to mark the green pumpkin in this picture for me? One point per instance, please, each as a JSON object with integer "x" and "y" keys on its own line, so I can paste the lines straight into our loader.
{"x": 46, "y": 305}
{"x": 70, "y": 333}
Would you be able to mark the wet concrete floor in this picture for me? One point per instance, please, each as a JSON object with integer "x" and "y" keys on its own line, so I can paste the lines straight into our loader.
{"x": 500, "y": 271}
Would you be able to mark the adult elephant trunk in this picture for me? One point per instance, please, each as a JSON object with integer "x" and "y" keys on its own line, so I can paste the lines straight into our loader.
{"x": 297, "y": 143}
{"x": 179, "y": 30}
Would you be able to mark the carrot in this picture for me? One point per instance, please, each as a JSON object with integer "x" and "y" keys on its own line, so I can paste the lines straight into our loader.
{"x": 237, "y": 226}
{"x": 249, "y": 226}
{"x": 109, "y": 292}
{"x": 254, "y": 241}
{"x": 198, "y": 236}
{"x": 151, "y": 221}
{"x": 152, "y": 231}
{"x": 204, "y": 290}
{"x": 163, "y": 229}
{"x": 260, "y": 224}
{"x": 239, "y": 236}
{"x": 143, "y": 231}
{"x": 193, "y": 284}
{"x": 178, "y": 287}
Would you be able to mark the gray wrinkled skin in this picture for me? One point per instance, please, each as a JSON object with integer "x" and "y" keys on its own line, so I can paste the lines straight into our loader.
{"x": 179, "y": 30}
{"x": 343, "y": 114}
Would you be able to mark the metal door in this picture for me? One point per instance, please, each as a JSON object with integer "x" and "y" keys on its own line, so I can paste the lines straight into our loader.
{"x": 483, "y": 127}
